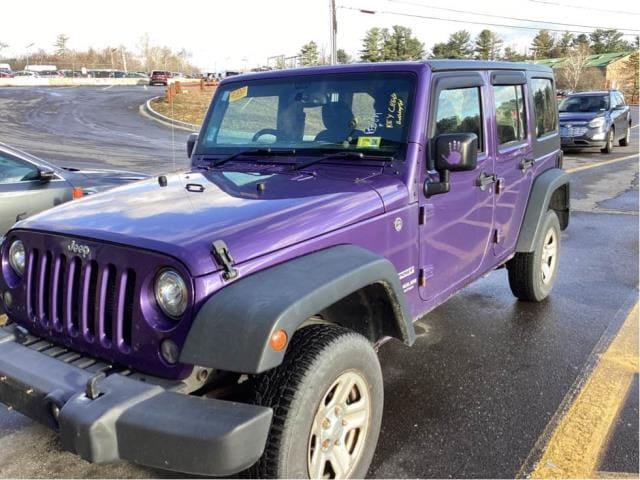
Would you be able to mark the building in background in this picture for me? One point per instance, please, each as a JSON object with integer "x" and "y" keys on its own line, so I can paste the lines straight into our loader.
{"x": 599, "y": 72}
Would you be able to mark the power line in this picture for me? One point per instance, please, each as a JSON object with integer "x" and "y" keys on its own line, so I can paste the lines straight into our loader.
{"x": 471, "y": 22}
{"x": 506, "y": 17}
{"x": 605, "y": 10}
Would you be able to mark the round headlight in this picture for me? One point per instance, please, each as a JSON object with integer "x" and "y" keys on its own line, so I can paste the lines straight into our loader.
{"x": 171, "y": 293}
{"x": 17, "y": 257}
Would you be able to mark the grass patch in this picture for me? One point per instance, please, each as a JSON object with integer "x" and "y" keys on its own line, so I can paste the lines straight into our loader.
{"x": 189, "y": 106}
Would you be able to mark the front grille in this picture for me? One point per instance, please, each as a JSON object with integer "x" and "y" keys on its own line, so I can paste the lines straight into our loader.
{"x": 573, "y": 131}
{"x": 81, "y": 298}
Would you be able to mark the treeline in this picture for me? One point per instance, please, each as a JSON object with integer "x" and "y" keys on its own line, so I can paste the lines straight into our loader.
{"x": 148, "y": 56}
{"x": 399, "y": 43}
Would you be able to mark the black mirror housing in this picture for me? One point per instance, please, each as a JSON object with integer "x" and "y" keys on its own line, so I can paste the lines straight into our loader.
{"x": 191, "y": 143}
{"x": 456, "y": 152}
{"x": 45, "y": 176}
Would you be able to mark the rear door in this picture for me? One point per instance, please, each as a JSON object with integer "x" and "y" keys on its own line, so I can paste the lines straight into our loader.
{"x": 456, "y": 225}
{"x": 22, "y": 194}
{"x": 513, "y": 154}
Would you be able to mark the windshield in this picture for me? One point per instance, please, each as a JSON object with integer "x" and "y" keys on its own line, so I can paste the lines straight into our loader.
{"x": 346, "y": 112}
{"x": 585, "y": 104}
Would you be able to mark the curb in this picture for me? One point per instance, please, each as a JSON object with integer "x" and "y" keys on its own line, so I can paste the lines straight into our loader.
{"x": 147, "y": 111}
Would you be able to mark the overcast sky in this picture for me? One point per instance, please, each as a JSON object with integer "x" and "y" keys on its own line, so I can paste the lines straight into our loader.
{"x": 237, "y": 33}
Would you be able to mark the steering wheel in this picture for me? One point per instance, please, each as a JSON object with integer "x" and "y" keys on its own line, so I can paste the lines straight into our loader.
{"x": 265, "y": 131}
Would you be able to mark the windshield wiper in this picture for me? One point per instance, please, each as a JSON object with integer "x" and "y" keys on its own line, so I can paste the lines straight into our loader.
{"x": 358, "y": 155}
{"x": 253, "y": 151}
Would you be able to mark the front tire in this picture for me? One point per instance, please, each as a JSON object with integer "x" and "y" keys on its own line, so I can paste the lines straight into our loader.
{"x": 608, "y": 147}
{"x": 327, "y": 400}
{"x": 532, "y": 274}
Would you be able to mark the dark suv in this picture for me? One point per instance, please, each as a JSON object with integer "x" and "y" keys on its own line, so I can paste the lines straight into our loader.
{"x": 227, "y": 317}
{"x": 594, "y": 119}
{"x": 159, "y": 77}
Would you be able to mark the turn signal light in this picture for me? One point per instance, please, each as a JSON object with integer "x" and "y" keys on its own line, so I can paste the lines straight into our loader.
{"x": 77, "y": 193}
{"x": 278, "y": 340}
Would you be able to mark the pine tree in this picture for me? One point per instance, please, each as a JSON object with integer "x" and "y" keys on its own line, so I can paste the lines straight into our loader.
{"x": 563, "y": 45}
{"x": 542, "y": 45}
{"x": 373, "y": 44}
{"x": 458, "y": 46}
{"x": 343, "y": 57}
{"x": 309, "y": 54}
{"x": 488, "y": 45}
{"x": 512, "y": 55}
{"x": 402, "y": 45}
{"x": 608, "y": 41}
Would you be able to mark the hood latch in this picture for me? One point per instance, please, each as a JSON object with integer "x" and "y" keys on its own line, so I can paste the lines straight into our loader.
{"x": 223, "y": 257}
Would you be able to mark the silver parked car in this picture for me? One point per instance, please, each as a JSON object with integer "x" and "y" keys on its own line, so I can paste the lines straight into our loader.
{"x": 29, "y": 185}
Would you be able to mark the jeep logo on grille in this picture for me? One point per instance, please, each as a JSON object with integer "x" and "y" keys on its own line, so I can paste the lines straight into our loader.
{"x": 79, "y": 249}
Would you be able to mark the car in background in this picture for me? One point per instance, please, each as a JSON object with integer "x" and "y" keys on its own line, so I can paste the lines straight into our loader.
{"x": 26, "y": 73}
{"x": 594, "y": 119}
{"x": 29, "y": 185}
{"x": 6, "y": 73}
{"x": 159, "y": 77}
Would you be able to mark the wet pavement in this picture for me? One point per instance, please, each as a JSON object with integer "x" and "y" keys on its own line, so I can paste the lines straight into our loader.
{"x": 488, "y": 377}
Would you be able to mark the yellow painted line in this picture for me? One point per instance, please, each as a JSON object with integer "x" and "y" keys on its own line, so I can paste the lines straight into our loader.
{"x": 600, "y": 164}
{"x": 576, "y": 446}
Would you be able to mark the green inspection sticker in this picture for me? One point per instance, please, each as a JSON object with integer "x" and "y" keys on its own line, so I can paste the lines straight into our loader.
{"x": 369, "y": 142}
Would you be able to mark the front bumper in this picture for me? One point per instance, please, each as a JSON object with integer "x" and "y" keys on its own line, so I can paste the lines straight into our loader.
{"x": 587, "y": 137}
{"x": 128, "y": 419}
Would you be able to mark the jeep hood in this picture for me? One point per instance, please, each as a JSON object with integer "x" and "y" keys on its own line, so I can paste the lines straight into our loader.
{"x": 254, "y": 213}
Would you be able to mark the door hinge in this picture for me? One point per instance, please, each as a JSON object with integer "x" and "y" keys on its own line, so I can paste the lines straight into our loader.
{"x": 223, "y": 257}
{"x": 486, "y": 179}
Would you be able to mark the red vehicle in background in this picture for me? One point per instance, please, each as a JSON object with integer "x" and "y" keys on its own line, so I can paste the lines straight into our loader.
{"x": 159, "y": 77}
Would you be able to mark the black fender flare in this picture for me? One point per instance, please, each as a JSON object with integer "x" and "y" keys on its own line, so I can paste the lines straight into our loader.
{"x": 542, "y": 192}
{"x": 233, "y": 328}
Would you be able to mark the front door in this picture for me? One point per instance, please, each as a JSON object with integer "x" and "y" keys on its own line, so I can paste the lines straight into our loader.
{"x": 456, "y": 226}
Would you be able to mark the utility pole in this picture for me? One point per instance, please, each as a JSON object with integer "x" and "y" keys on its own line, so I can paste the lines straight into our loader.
{"x": 334, "y": 32}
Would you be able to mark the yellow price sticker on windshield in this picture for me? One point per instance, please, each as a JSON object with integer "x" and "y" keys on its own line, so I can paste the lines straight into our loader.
{"x": 238, "y": 94}
{"x": 369, "y": 142}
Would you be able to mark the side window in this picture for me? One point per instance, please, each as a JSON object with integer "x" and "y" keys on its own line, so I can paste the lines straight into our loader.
{"x": 13, "y": 170}
{"x": 619, "y": 98}
{"x": 543, "y": 105}
{"x": 459, "y": 111}
{"x": 614, "y": 100}
{"x": 510, "y": 114}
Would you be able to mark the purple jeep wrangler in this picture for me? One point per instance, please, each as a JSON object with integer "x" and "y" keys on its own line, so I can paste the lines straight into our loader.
{"x": 227, "y": 318}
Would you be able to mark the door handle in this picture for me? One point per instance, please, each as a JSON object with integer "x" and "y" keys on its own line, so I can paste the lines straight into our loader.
{"x": 526, "y": 164}
{"x": 485, "y": 179}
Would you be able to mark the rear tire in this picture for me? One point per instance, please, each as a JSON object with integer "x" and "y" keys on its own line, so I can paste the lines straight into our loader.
{"x": 327, "y": 400}
{"x": 608, "y": 148}
{"x": 627, "y": 138}
{"x": 532, "y": 274}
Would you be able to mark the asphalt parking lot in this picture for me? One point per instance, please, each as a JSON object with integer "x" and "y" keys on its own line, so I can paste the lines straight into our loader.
{"x": 489, "y": 387}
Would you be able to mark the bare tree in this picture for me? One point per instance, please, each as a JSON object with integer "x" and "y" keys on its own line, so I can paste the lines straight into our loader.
{"x": 574, "y": 66}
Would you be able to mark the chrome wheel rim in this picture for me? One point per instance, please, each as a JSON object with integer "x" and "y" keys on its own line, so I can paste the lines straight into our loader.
{"x": 549, "y": 256}
{"x": 340, "y": 427}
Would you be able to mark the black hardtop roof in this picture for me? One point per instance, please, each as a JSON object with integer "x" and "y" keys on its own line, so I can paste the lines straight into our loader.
{"x": 438, "y": 65}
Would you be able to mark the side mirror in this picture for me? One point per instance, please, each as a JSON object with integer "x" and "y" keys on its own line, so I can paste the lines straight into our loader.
{"x": 456, "y": 152}
{"x": 620, "y": 107}
{"x": 45, "y": 176}
{"x": 191, "y": 143}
